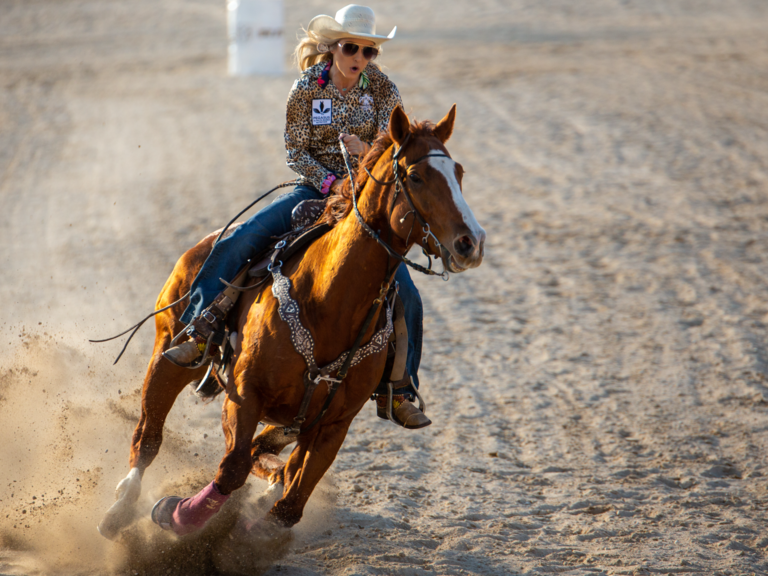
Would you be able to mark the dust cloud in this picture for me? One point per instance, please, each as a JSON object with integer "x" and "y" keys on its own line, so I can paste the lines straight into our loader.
{"x": 67, "y": 417}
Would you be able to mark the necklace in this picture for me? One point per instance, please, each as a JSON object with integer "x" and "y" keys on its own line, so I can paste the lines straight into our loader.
{"x": 339, "y": 88}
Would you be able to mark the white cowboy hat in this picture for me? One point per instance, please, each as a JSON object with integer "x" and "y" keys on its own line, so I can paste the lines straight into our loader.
{"x": 352, "y": 21}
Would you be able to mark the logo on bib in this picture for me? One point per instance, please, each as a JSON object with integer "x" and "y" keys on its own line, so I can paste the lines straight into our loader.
{"x": 366, "y": 101}
{"x": 322, "y": 111}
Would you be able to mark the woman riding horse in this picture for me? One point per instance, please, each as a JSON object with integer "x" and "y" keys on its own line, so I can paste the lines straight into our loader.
{"x": 343, "y": 95}
{"x": 408, "y": 184}
{"x": 286, "y": 348}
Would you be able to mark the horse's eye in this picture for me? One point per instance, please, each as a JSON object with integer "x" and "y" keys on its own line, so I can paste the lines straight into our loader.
{"x": 415, "y": 178}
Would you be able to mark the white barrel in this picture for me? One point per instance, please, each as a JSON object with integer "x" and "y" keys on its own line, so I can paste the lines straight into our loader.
{"x": 256, "y": 39}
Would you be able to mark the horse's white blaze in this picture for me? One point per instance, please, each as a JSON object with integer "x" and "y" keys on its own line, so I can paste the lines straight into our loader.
{"x": 447, "y": 167}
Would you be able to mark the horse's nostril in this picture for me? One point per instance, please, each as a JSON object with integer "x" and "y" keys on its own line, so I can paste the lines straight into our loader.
{"x": 464, "y": 246}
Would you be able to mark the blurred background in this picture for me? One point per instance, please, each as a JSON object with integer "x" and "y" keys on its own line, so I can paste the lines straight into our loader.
{"x": 598, "y": 386}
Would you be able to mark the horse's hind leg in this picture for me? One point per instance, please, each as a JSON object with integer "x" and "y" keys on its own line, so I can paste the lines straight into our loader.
{"x": 264, "y": 450}
{"x": 162, "y": 385}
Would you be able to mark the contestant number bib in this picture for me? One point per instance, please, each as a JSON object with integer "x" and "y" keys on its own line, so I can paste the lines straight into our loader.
{"x": 322, "y": 111}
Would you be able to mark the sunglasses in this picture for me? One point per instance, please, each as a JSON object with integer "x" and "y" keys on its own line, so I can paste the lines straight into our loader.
{"x": 349, "y": 49}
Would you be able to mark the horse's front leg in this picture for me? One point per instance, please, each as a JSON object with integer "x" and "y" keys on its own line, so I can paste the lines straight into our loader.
{"x": 307, "y": 464}
{"x": 240, "y": 417}
{"x": 162, "y": 385}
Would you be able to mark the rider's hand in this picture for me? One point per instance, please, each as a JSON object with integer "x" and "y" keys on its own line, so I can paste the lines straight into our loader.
{"x": 354, "y": 144}
{"x": 336, "y": 185}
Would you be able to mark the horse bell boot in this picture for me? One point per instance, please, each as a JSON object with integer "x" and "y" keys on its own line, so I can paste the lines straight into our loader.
{"x": 186, "y": 515}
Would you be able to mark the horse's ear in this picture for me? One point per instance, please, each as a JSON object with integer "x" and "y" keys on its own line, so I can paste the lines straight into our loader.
{"x": 444, "y": 128}
{"x": 399, "y": 125}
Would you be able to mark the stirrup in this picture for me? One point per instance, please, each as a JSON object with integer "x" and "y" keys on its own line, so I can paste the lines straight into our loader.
{"x": 421, "y": 420}
{"x": 206, "y": 355}
{"x": 211, "y": 385}
{"x": 207, "y": 325}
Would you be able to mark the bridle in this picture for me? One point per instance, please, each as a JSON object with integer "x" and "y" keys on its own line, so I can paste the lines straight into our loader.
{"x": 400, "y": 186}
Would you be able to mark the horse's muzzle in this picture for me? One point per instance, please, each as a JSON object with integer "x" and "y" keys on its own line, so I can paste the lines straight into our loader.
{"x": 466, "y": 252}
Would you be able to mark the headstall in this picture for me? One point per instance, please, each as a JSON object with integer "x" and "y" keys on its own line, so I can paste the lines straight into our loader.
{"x": 400, "y": 186}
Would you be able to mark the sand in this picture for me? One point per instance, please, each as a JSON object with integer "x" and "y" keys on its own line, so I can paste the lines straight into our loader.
{"x": 599, "y": 386}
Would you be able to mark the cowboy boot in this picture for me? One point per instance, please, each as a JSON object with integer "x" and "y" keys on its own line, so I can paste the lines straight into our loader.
{"x": 404, "y": 412}
{"x": 209, "y": 323}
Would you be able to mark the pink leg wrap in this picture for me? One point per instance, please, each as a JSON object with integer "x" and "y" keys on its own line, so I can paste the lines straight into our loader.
{"x": 192, "y": 513}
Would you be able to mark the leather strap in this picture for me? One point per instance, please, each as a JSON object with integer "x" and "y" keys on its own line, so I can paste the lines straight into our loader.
{"x": 401, "y": 342}
{"x": 238, "y": 282}
{"x": 305, "y": 239}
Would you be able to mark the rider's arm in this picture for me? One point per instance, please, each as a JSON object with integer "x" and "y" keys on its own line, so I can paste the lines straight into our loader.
{"x": 298, "y": 131}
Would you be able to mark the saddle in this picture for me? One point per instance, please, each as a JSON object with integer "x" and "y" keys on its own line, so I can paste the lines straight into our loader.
{"x": 304, "y": 231}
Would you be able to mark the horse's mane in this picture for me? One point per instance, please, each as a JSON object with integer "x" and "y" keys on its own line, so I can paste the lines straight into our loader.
{"x": 340, "y": 204}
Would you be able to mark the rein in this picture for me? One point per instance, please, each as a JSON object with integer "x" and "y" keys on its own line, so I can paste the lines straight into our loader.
{"x": 138, "y": 325}
{"x": 399, "y": 187}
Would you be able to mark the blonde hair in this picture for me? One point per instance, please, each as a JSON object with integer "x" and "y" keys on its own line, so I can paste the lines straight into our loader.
{"x": 307, "y": 54}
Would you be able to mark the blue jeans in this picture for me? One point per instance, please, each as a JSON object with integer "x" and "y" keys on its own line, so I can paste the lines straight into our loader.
{"x": 414, "y": 320}
{"x": 256, "y": 234}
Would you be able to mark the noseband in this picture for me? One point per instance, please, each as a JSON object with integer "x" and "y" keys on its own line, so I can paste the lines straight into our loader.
{"x": 400, "y": 186}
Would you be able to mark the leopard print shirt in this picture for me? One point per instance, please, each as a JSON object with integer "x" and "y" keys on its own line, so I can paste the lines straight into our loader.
{"x": 317, "y": 113}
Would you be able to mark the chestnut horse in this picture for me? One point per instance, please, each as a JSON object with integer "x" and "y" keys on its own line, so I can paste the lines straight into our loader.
{"x": 336, "y": 281}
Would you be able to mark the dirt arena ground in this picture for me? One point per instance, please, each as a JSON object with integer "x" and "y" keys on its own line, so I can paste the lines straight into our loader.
{"x": 599, "y": 387}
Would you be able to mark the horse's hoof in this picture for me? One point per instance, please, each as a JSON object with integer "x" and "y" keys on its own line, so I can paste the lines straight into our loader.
{"x": 270, "y": 496}
{"x": 251, "y": 551}
{"x": 162, "y": 511}
{"x": 108, "y": 528}
{"x": 119, "y": 515}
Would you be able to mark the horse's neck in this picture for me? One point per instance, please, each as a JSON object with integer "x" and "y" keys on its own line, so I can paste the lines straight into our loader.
{"x": 373, "y": 204}
{"x": 352, "y": 258}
